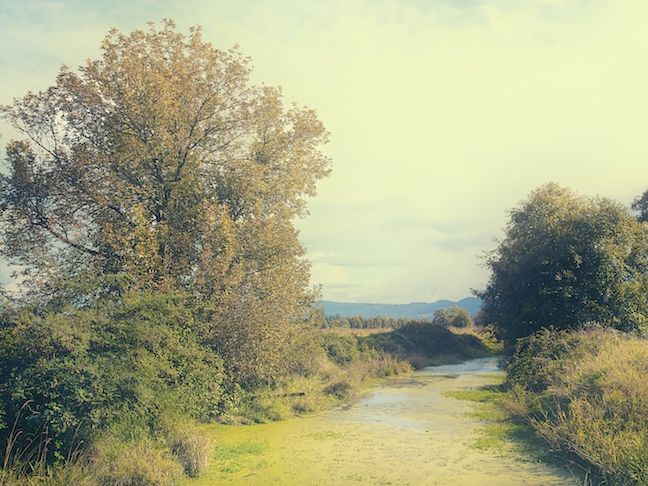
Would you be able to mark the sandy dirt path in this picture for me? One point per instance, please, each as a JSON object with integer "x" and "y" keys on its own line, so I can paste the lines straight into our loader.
{"x": 405, "y": 432}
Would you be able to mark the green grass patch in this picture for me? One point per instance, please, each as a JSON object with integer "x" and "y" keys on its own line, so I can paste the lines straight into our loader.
{"x": 503, "y": 436}
{"x": 486, "y": 394}
{"x": 488, "y": 397}
{"x": 493, "y": 377}
{"x": 230, "y": 459}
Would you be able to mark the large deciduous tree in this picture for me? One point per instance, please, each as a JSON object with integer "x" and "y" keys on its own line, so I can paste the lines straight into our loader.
{"x": 567, "y": 260}
{"x": 152, "y": 157}
{"x": 160, "y": 161}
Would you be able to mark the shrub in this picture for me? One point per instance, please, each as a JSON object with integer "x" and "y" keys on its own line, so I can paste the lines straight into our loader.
{"x": 453, "y": 316}
{"x": 118, "y": 365}
{"x": 539, "y": 358}
{"x": 423, "y": 339}
{"x": 565, "y": 260}
{"x": 193, "y": 449}
{"x": 339, "y": 349}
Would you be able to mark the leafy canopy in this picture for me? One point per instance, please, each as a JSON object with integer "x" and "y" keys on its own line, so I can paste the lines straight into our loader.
{"x": 158, "y": 160}
{"x": 150, "y": 207}
{"x": 566, "y": 260}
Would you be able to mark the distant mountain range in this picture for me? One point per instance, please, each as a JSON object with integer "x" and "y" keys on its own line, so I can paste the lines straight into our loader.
{"x": 419, "y": 310}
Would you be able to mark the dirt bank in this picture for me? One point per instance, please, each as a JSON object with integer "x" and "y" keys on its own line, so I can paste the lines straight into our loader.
{"x": 405, "y": 432}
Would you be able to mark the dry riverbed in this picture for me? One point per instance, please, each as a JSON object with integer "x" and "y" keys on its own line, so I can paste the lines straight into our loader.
{"x": 404, "y": 432}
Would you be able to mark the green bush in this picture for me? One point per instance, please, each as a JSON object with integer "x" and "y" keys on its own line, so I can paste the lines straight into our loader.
{"x": 65, "y": 376}
{"x": 540, "y": 357}
{"x": 565, "y": 260}
{"x": 339, "y": 349}
{"x": 453, "y": 316}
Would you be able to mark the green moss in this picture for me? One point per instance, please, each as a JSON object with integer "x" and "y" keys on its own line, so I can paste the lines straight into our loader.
{"x": 487, "y": 394}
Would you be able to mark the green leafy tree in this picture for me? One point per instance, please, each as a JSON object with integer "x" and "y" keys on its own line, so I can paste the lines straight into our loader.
{"x": 453, "y": 316}
{"x": 566, "y": 260}
{"x": 160, "y": 161}
{"x": 640, "y": 204}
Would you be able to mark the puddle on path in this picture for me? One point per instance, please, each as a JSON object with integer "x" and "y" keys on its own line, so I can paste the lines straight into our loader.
{"x": 404, "y": 433}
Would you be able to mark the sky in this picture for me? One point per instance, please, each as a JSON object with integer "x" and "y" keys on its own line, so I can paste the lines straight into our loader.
{"x": 443, "y": 114}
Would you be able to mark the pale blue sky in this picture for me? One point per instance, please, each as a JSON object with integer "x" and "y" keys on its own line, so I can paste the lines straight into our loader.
{"x": 443, "y": 114}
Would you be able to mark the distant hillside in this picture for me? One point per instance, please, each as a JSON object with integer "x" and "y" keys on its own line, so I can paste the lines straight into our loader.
{"x": 419, "y": 310}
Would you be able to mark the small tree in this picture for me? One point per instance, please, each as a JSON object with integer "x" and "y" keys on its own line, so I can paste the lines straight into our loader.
{"x": 454, "y": 316}
{"x": 567, "y": 260}
{"x": 640, "y": 204}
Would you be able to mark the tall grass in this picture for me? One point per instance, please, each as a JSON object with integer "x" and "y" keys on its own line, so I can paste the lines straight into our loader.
{"x": 25, "y": 461}
{"x": 586, "y": 393}
{"x": 180, "y": 447}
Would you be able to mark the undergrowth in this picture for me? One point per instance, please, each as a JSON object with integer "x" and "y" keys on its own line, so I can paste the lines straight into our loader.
{"x": 576, "y": 399}
{"x": 586, "y": 394}
{"x": 327, "y": 369}
{"x": 425, "y": 344}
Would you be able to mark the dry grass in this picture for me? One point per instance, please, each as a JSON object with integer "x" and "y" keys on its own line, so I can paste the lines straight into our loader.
{"x": 144, "y": 462}
{"x": 297, "y": 395}
{"x": 593, "y": 402}
{"x": 113, "y": 461}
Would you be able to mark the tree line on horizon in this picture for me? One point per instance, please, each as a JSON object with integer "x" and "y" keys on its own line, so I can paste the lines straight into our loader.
{"x": 451, "y": 316}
